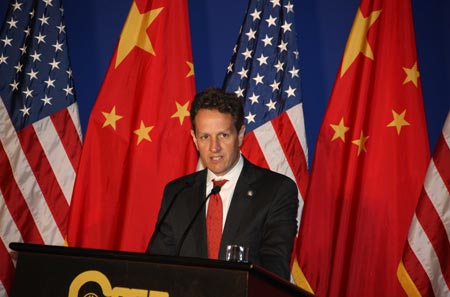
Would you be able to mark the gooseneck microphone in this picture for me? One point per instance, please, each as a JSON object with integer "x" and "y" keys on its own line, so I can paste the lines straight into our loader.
{"x": 215, "y": 190}
{"x": 169, "y": 207}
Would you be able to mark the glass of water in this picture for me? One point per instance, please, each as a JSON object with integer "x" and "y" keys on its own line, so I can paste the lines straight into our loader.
{"x": 236, "y": 253}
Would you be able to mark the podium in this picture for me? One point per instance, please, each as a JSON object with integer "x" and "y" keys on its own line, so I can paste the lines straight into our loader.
{"x": 75, "y": 272}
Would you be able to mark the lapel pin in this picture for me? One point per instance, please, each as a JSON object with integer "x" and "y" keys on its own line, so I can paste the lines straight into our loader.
{"x": 250, "y": 193}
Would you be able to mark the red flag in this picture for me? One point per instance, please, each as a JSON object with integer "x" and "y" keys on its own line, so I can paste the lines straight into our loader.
{"x": 370, "y": 160}
{"x": 425, "y": 266}
{"x": 138, "y": 135}
{"x": 40, "y": 133}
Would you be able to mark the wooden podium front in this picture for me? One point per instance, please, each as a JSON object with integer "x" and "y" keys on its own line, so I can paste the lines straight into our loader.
{"x": 64, "y": 271}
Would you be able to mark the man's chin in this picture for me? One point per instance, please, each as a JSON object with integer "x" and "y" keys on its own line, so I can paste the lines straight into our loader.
{"x": 217, "y": 170}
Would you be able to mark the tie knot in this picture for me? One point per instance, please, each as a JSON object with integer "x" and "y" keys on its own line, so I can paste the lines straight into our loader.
{"x": 219, "y": 183}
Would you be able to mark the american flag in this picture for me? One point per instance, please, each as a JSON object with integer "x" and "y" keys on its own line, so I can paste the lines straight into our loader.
{"x": 40, "y": 133}
{"x": 265, "y": 73}
{"x": 425, "y": 266}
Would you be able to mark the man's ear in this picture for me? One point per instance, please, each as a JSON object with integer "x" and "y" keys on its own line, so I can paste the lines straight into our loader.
{"x": 194, "y": 138}
{"x": 241, "y": 134}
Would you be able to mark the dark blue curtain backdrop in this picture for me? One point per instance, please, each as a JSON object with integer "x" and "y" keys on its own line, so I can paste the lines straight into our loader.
{"x": 323, "y": 26}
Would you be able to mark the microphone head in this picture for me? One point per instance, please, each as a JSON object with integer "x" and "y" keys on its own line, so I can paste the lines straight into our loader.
{"x": 215, "y": 190}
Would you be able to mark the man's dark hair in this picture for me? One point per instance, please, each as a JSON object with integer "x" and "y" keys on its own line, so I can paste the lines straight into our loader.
{"x": 213, "y": 98}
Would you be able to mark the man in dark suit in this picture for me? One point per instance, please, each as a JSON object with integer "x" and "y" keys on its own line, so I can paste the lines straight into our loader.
{"x": 258, "y": 207}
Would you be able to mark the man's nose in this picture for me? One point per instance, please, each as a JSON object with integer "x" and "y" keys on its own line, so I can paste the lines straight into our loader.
{"x": 214, "y": 144}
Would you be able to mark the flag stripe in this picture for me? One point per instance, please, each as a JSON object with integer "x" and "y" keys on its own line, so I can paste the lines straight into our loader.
{"x": 446, "y": 136}
{"x": 421, "y": 282}
{"x": 428, "y": 259}
{"x": 298, "y": 123}
{"x": 272, "y": 150}
{"x": 29, "y": 189}
{"x": 14, "y": 201}
{"x": 252, "y": 150}
{"x": 6, "y": 273}
{"x": 74, "y": 115}
{"x": 434, "y": 229}
{"x": 293, "y": 148}
{"x": 54, "y": 151}
{"x": 428, "y": 238}
{"x": 436, "y": 188}
{"x": 49, "y": 186}
{"x": 2, "y": 289}
{"x": 69, "y": 135}
{"x": 8, "y": 233}
{"x": 8, "y": 227}
{"x": 442, "y": 160}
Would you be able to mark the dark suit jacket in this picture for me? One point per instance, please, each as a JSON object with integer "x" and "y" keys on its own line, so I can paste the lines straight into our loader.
{"x": 262, "y": 216}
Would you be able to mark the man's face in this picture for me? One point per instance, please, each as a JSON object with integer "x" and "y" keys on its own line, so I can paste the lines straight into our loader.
{"x": 217, "y": 140}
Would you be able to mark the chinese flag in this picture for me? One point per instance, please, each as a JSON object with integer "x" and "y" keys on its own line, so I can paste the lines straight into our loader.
{"x": 138, "y": 136}
{"x": 370, "y": 161}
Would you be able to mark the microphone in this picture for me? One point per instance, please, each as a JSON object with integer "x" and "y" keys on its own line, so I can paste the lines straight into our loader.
{"x": 186, "y": 185}
{"x": 215, "y": 190}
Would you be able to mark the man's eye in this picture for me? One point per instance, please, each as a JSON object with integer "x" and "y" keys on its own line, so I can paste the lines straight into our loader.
{"x": 223, "y": 135}
{"x": 203, "y": 137}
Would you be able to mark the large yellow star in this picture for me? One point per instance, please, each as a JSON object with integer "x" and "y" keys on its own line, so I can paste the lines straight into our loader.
{"x": 134, "y": 32}
{"x": 111, "y": 118}
{"x": 357, "y": 40}
{"x": 182, "y": 112}
{"x": 361, "y": 143}
{"x": 191, "y": 69}
{"x": 412, "y": 74}
{"x": 143, "y": 132}
{"x": 399, "y": 121}
{"x": 339, "y": 130}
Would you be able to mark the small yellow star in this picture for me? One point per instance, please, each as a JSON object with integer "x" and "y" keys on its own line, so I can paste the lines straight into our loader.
{"x": 361, "y": 143}
{"x": 182, "y": 112}
{"x": 143, "y": 132}
{"x": 339, "y": 130}
{"x": 399, "y": 121}
{"x": 412, "y": 74}
{"x": 111, "y": 118}
{"x": 357, "y": 40}
{"x": 134, "y": 32}
{"x": 191, "y": 69}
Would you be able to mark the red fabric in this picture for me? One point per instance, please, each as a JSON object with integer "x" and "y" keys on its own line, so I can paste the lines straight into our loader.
{"x": 138, "y": 135}
{"x": 369, "y": 164}
{"x": 214, "y": 218}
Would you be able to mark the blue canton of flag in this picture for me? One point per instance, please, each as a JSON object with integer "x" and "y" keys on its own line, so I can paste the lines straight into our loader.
{"x": 264, "y": 72}
{"x": 40, "y": 133}
{"x": 34, "y": 64}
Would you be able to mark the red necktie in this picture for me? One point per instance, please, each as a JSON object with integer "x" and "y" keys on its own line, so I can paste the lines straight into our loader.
{"x": 214, "y": 219}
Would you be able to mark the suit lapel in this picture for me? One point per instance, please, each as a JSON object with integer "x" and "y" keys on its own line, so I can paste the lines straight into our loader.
{"x": 198, "y": 229}
{"x": 240, "y": 202}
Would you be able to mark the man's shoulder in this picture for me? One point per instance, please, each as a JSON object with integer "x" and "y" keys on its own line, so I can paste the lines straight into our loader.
{"x": 188, "y": 179}
{"x": 261, "y": 172}
{"x": 267, "y": 180}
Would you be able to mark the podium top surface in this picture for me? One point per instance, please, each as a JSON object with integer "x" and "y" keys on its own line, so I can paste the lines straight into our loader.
{"x": 131, "y": 256}
{"x": 142, "y": 257}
